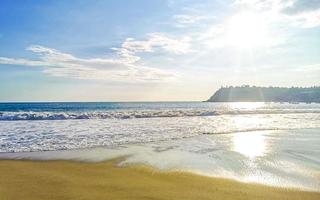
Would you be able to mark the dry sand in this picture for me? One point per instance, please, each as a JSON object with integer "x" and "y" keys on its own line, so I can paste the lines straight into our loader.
{"x": 79, "y": 180}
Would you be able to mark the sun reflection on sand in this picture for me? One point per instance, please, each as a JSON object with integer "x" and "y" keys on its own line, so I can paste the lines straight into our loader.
{"x": 250, "y": 144}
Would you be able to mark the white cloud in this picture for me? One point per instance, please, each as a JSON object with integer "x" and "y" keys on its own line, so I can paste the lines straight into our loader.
{"x": 187, "y": 19}
{"x": 307, "y": 19}
{"x": 124, "y": 68}
{"x": 300, "y": 13}
{"x": 156, "y": 41}
{"x": 61, "y": 64}
{"x": 192, "y": 19}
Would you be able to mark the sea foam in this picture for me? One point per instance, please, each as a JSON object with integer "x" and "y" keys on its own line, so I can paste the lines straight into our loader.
{"x": 129, "y": 114}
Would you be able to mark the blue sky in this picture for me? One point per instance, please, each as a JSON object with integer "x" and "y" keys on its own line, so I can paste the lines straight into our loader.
{"x": 154, "y": 50}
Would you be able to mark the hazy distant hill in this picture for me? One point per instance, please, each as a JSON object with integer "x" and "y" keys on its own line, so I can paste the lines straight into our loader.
{"x": 275, "y": 94}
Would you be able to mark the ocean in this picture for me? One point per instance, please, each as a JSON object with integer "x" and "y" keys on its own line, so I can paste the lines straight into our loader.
{"x": 58, "y": 126}
{"x": 268, "y": 143}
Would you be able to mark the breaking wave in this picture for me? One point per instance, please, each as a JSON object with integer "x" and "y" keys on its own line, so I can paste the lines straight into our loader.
{"x": 129, "y": 114}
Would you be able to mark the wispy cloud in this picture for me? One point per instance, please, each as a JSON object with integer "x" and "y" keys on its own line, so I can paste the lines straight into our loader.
{"x": 304, "y": 14}
{"x": 155, "y": 42}
{"x": 298, "y": 6}
{"x": 306, "y": 19}
{"x": 188, "y": 19}
{"x": 56, "y": 63}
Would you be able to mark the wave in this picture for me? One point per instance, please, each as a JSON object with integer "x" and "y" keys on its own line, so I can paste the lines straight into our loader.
{"x": 242, "y": 130}
{"x": 130, "y": 114}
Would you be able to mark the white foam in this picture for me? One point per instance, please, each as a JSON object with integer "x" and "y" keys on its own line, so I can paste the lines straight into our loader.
{"x": 43, "y": 135}
{"x": 286, "y": 160}
{"x": 129, "y": 114}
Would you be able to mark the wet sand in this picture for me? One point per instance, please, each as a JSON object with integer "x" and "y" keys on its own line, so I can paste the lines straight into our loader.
{"x": 105, "y": 180}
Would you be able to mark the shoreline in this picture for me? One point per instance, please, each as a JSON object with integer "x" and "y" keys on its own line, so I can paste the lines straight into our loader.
{"x": 216, "y": 156}
{"x": 82, "y": 180}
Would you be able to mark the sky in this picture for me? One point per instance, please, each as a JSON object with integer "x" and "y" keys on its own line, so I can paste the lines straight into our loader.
{"x": 159, "y": 50}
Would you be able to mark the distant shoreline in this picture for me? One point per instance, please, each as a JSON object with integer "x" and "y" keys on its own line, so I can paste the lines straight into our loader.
{"x": 266, "y": 94}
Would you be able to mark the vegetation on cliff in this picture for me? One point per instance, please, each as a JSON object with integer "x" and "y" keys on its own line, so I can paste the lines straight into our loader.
{"x": 248, "y": 93}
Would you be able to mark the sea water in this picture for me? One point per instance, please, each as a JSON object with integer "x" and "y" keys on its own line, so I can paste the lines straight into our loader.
{"x": 269, "y": 143}
{"x": 59, "y": 126}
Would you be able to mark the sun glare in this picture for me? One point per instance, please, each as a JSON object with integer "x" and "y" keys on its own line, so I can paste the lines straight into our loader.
{"x": 250, "y": 144}
{"x": 247, "y": 30}
{"x": 246, "y": 105}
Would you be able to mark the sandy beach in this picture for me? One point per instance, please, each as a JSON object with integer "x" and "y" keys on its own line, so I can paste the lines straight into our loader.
{"x": 272, "y": 153}
{"x": 105, "y": 180}
{"x": 160, "y": 100}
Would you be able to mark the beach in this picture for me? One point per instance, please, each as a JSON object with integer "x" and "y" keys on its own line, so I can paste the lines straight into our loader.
{"x": 160, "y": 151}
{"x": 105, "y": 180}
{"x": 160, "y": 100}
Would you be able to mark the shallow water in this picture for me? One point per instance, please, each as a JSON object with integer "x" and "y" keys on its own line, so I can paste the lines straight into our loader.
{"x": 285, "y": 158}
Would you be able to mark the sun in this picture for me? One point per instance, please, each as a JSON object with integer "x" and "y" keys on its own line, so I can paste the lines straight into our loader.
{"x": 247, "y": 30}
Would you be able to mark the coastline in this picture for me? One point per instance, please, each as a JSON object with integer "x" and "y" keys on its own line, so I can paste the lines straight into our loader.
{"x": 106, "y": 180}
{"x": 271, "y": 158}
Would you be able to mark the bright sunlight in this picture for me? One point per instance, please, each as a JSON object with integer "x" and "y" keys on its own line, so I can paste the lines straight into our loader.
{"x": 247, "y": 30}
{"x": 250, "y": 144}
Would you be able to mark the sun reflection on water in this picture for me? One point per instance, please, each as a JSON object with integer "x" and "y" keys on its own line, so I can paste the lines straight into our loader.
{"x": 250, "y": 144}
{"x": 246, "y": 105}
